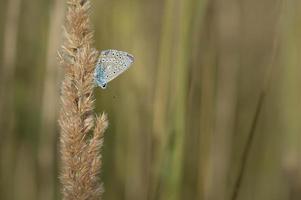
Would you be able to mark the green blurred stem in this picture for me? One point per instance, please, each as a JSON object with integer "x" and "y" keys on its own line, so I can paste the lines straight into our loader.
{"x": 179, "y": 101}
{"x": 250, "y": 139}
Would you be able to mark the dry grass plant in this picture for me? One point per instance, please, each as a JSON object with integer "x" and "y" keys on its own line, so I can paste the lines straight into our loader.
{"x": 81, "y": 131}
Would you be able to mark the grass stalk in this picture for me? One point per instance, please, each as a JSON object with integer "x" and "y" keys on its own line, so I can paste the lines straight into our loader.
{"x": 81, "y": 131}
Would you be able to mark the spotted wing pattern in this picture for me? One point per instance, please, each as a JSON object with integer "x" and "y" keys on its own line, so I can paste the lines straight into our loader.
{"x": 111, "y": 63}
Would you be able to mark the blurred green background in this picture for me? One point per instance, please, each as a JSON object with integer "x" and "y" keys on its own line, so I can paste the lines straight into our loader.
{"x": 211, "y": 108}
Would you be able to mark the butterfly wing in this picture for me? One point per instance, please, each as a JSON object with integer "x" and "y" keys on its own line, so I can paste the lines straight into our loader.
{"x": 111, "y": 63}
{"x": 115, "y": 63}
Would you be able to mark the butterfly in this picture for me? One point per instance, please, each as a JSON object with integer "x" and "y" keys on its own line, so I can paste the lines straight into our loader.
{"x": 111, "y": 63}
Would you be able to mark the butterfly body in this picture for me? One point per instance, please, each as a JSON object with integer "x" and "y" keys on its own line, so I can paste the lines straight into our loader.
{"x": 111, "y": 63}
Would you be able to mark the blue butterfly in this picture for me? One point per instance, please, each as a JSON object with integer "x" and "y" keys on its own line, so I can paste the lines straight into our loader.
{"x": 111, "y": 63}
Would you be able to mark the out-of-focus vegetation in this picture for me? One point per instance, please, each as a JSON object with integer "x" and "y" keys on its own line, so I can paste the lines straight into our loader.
{"x": 210, "y": 110}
